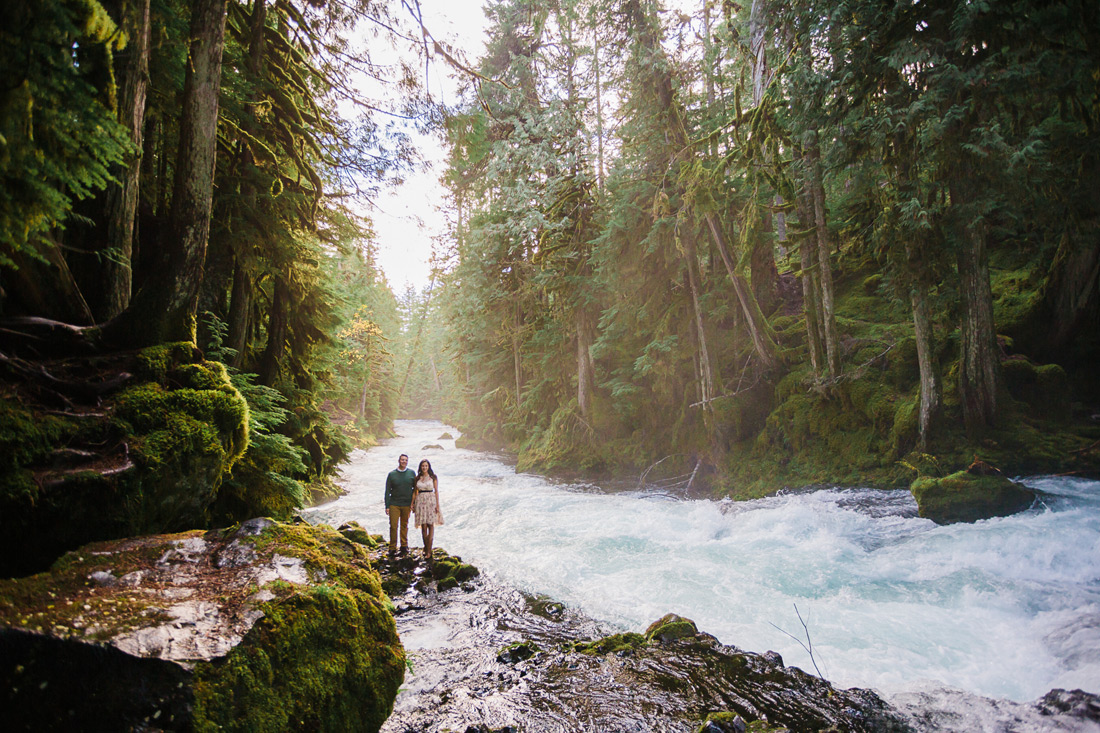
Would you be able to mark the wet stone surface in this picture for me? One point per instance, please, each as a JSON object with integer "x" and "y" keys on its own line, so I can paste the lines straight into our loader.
{"x": 484, "y": 658}
{"x": 488, "y": 658}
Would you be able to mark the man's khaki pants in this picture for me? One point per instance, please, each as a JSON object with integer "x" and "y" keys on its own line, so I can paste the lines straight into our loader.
{"x": 399, "y": 515}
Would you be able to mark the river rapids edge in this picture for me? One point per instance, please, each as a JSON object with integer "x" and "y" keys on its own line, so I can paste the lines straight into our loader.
{"x": 487, "y": 658}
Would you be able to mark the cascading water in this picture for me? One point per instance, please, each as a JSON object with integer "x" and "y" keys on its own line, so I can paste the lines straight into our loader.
{"x": 1006, "y": 607}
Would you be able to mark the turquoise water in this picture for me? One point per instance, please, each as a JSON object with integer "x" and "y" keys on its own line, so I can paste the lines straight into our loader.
{"x": 1005, "y": 608}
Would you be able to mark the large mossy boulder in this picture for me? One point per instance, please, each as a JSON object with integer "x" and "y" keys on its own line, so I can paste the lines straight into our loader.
{"x": 112, "y": 446}
{"x": 968, "y": 497}
{"x": 263, "y": 627}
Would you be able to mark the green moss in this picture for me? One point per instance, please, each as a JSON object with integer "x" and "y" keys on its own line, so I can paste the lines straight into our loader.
{"x": 323, "y": 660}
{"x": 671, "y": 627}
{"x": 154, "y": 363}
{"x": 465, "y": 572}
{"x": 26, "y": 437}
{"x": 325, "y": 657}
{"x": 611, "y": 644}
{"x": 964, "y": 497}
{"x": 355, "y": 532}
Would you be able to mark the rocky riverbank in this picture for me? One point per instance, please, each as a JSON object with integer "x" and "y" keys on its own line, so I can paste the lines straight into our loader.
{"x": 484, "y": 658}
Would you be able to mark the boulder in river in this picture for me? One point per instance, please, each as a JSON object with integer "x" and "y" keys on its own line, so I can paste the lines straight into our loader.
{"x": 968, "y": 497}
{"x": 264, "y": 627}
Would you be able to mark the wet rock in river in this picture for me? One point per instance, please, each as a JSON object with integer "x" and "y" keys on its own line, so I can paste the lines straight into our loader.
{"x": 261, "y": 628}
{"x": 968, "y": 497}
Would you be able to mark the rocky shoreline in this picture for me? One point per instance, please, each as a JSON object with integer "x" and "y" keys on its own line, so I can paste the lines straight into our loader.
{"x": 486, "y": 658}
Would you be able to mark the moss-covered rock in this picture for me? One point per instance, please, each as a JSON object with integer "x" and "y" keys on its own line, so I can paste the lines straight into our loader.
{"x": 141, "y": 447}
{"x": 1045, "y": 388}
{"x": 267, "y": 627}
{"x": 966, "y": 497}
{"x": 671, "y": 627}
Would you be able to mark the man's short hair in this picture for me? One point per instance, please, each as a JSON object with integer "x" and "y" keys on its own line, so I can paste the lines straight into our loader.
{"x": 403, "y": 455}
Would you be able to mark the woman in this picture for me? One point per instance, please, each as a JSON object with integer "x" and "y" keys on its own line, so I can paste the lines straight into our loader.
{"x": 426, "y": 504}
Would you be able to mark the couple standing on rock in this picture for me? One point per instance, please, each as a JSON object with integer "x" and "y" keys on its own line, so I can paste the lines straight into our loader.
{"x": 417, "y": 493}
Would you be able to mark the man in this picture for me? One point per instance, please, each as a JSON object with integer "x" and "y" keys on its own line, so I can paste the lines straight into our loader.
{"x": 399, "y": 495}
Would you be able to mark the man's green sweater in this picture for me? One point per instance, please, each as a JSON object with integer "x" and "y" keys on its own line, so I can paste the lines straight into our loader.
{"x": 399, "y": 487}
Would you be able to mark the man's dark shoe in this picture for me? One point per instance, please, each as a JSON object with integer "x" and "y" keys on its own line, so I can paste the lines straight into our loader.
{"x": 404, "y": 551}
{"x": 391, "y": 553}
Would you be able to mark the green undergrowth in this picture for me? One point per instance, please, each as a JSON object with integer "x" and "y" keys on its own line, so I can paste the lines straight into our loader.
{"x": 862, "y": 428}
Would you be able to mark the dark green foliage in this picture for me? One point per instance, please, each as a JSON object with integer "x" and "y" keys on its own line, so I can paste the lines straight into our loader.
{"x": 56, "y": 56}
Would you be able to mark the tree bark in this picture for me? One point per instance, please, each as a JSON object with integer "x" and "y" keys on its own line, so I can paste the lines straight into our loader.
{"x": 825, "y": 270}
{"x": 979, "y": 370}
{"x": 755, "y": 322}
{"x": 122, "y": 197}
{"x": 585, "y": 371}
{"x": 811, "y": 285}
{"x": 707, "y": 383}
{"x": 165, "y": 308}
{"x": 1071, "y": 294}
{"x": 240, "y": 311}
{"x": 277, "y": 330}
{"x": 929, "y": 381}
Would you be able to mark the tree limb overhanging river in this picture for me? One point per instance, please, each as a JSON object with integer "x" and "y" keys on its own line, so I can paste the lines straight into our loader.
{"x": 1006, "y": 608}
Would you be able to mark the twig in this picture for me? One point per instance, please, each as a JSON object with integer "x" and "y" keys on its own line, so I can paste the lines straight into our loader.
{"x": 809, "y": 645}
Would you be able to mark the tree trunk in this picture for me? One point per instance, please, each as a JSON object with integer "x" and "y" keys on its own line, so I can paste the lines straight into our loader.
{"x": 165, "y": 308}
{"x": 825, "y": 270}
{"x": 811, "y": 285}
{"x": 929, "y": 381}
{"x": 707, "y": 383}
{"x": 277, "y": 330}
{"x": 122, "y": 197}
{"x": 585, "y": 372}
{"x": 240, "y": 311}
{"x": 979, "y": 370}
{"x": 755, "y": 322}
{"x": 517, "y": 357}
{"x": 1071, "y": 294}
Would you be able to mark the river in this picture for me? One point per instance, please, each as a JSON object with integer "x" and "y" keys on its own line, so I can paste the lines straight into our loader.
{"x": 1005, "y": 608}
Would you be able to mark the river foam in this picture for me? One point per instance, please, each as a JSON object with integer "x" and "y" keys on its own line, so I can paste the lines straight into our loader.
{"x": 1005, "y": 607}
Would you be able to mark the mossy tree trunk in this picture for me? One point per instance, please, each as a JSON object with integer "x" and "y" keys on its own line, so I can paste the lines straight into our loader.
{"x": 708, "y": 386}
{"x": 824, "y": 268}
{"x": 240, "y": 311}
{"x": 811, "y": 284}
{"x": 165, "y": 307}
{"x": 586, "y": 382}
{"x": 240, "y": 304}
{"x": 930, "y": 400}
{"x": 1071, "y": 294}
{"x": 122, "y": 197}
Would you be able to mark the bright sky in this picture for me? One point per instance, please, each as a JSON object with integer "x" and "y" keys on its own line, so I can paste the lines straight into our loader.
{"x": 408, "y": 216}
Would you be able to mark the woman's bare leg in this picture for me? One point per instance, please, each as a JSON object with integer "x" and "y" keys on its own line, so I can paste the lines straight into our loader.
{"x": 429, "y": 539}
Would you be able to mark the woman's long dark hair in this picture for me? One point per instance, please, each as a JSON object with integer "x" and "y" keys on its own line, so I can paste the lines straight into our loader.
{"x": 420, "y": 465}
